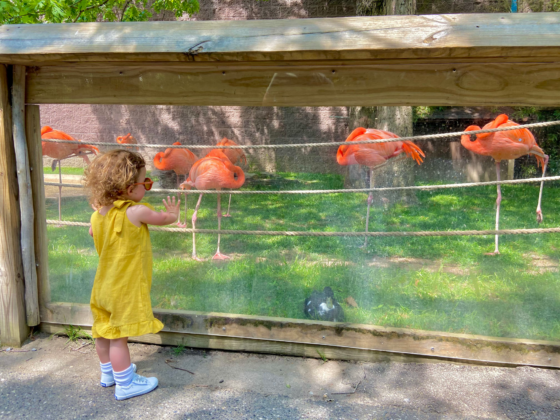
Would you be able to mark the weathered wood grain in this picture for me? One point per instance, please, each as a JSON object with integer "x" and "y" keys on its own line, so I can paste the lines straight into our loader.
{"x": 500, "y": 84}
{"x": 13, "y": 324}
{"x": 25, "y": 197}
{"x": 267, "y": 347}
{"x": 437, "y": 36}
{"x": 33, "y": 137}
{"x": 284, "y": 334}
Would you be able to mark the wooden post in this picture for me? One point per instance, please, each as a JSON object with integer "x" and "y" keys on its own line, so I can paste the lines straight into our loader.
{"x": 25, "y": 197}
{"x": 33, "y": 135}
{"x": 13, "y": 325}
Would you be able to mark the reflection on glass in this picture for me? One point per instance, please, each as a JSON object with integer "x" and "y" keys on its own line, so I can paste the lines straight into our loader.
{"x": 438, "y": 283}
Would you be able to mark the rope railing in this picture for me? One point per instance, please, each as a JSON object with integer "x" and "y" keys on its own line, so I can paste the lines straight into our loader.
{"x": 339, "y": 191}
{"x": 331, "y": 234}
{"x": 296, "y": 145}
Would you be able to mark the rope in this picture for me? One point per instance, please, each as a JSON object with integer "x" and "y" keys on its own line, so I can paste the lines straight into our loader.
{"x": 326, "y": 234}
{"x": 287, "y": 146}
{"x": 341, "y": 191}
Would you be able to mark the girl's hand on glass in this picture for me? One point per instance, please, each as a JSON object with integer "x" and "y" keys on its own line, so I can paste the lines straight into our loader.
{"x": 171, "y": 207}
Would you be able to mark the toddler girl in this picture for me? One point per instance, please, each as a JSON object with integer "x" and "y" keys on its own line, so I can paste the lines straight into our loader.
{"x": 120, "y": 299}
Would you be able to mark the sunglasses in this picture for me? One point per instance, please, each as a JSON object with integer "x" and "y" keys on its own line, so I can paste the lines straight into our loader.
{"x": 147, "y": 184}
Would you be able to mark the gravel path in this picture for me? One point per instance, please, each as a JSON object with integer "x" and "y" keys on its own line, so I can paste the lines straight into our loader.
{"x": 56, "y": 382}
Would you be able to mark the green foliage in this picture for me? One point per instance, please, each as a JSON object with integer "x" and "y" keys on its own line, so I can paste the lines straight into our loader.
{"x": 179, "y": 350}
{"x": 423, "y": 112}
{"x": 66, "y": 11}
{"x": 322, "y": 356}
{"x": 523, "y": 113}
{"x": 75, "y": 333}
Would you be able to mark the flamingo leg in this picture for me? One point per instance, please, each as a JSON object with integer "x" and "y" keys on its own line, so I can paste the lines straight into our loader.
{"x": 59, "y": 191}
{"x": 186, "y": 205}
{"x": 369, "y": 201}
{"x": 219, "y": 255}
{"x": 539, "y": 212}
{"x": 498, "y": 201}
{"x": 229, "y": 204}
{"x": 193, "y": 225}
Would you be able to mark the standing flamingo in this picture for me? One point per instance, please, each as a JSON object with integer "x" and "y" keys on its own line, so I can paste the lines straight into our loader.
{"x": 178, "y": 160}
{"x": 126, "y": 140}
{"x": 374, "y": 155}
{"x": 61, "y": 151}
{"x": 506, "y": 145}
{"x": 213, "y": 172}
{"x": 236, "y": 156}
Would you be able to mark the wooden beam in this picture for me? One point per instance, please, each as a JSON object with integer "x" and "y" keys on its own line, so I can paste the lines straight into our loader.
{"x": 445, "y": 37}
{"x": 499, "y": 84}
{"x": 211, "y": 329}
{"x": 34, "y": 146}
{"x": 25, "y": 197}
{"x": 268, "y": 347}
{"x": 13, "y": 325}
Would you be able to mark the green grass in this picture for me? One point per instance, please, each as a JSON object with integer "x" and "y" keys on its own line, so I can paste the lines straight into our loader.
{"x": 437, "y": 283}
{"x": 66, "y": 170}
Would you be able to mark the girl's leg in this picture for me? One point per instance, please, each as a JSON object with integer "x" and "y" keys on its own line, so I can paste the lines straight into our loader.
{"x": 119, "y": 354}
{"x": 102, "y": 348}
{"x": 128, "y": 383}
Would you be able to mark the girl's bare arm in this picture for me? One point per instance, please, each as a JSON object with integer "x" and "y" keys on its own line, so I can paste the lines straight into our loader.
{"x": 142, "y": 214}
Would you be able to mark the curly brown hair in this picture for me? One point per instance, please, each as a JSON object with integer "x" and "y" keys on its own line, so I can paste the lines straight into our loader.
{"x": 110, "y": 174}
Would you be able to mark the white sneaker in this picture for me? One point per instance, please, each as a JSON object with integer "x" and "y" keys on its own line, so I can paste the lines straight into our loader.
{"x": 108, "y": 380}
{"x": 139, "y": 386}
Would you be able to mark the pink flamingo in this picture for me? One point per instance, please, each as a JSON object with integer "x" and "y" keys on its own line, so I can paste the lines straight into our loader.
{"x": 126, "y": 140}
{"x": 506, "y": 145}
{"x": 61, "y": 151}
{"x": 374, "y": 155}
{"x": 215, "y": 171}
{"x": 236, "y": 156}
{"x": 179, "y": 161}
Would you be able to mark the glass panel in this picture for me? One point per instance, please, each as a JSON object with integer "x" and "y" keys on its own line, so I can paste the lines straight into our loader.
{"x": 439, "y": 283}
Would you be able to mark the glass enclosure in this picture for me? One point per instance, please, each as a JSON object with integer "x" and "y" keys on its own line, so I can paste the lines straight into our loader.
{"x": 436, "y": 283}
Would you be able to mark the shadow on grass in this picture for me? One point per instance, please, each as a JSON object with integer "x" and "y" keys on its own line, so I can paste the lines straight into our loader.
{"x": 439, "y": 283}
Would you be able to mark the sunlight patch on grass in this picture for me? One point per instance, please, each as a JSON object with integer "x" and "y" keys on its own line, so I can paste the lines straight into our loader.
{"x": 432, "y": 283}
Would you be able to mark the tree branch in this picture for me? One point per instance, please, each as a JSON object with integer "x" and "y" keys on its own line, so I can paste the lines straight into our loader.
{"x": 89, "y": 8}
{"x": 124, "y": 9}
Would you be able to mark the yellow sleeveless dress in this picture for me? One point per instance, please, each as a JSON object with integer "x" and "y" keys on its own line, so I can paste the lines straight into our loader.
{"x": 120, "y": 298}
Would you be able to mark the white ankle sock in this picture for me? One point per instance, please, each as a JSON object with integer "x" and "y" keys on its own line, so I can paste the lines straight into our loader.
{"x": 106, "y": 368}
{"x": 124, "y": 378}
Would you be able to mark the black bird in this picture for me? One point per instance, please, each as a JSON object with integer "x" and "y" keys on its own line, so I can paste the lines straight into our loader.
{"x": 323, "y": 306}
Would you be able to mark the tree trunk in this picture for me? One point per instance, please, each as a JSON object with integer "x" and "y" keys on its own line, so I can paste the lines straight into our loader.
{"x": 398, "y": 172}
{"x": 398, "y": 120}
{"x": 399, "y": 7}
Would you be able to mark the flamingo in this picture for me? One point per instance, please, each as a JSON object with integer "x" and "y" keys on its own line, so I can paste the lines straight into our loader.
{"x": 213, "y": 172}
{"x": 505, "y": 145}
{"x": 60, "y": 151}
{"x": 128, "y": 139}
{"x": 236, "y": 156}
{"x": 374, "y": 155}
{"x": 178, "y": 160}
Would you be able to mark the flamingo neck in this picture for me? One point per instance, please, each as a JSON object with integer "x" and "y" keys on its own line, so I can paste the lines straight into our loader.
{"x": 234, "y": 184}
{"x": 158, "y": 162}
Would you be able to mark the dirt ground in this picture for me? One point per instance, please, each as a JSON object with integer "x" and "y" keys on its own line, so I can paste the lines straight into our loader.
{"x": 60, "y": 380}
